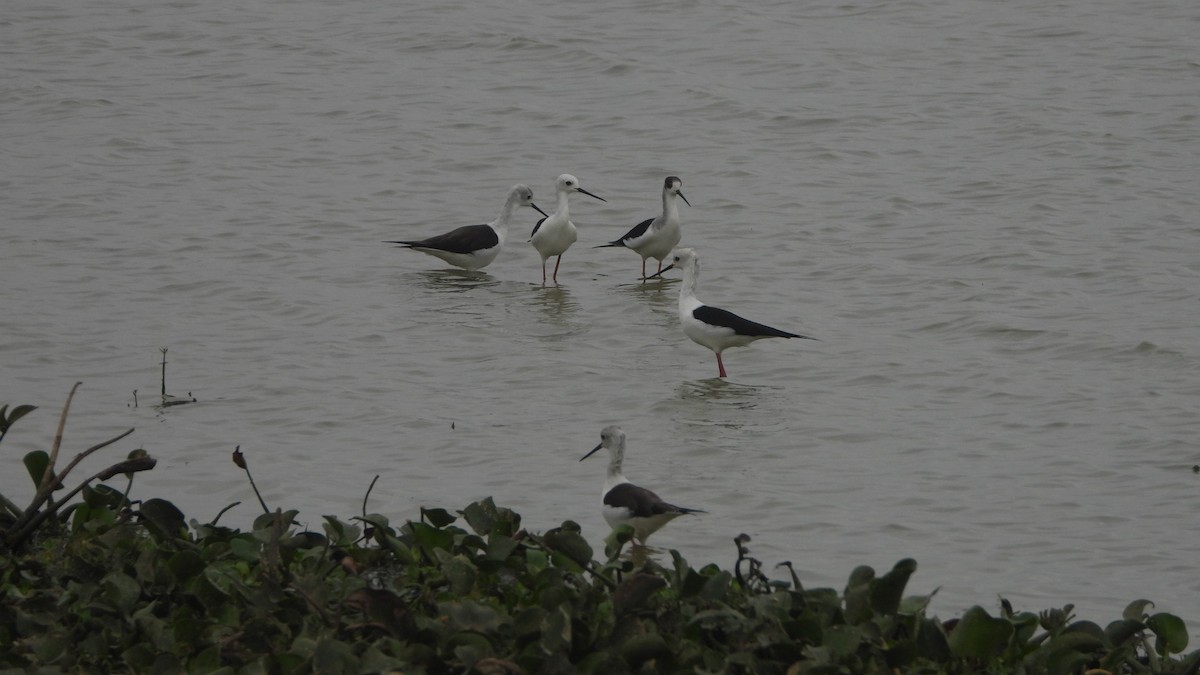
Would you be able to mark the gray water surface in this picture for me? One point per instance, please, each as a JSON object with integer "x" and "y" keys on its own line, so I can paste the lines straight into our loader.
{"x": 986, "y": 212}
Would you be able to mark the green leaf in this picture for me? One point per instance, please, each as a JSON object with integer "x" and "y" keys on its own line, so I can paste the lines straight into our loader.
{"x": 7, "y": 420}
{"x": 1170, "y": 631}
{"x": 887, "y": 591}
{"x": 499, "y": 547}
{"x": 481, "y": 516}
{"x": 36, "y": 463}
{"x": 1122, "y": 631}
{"x": 570, "y": 544}
{"x": 333, "y": 656}
{"x": 163, "y": 518}
{"x": 979, "y": 636}
{"x": 1136, "y": 610}
{"x": 437, "y": 517}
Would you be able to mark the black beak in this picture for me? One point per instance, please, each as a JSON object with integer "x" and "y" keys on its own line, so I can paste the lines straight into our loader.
{"x": 592, "y": 452}
{"x": 660, "y": 272}
{"x": 535, "y": 208}
{"x": 595, "y": 196}
{"x": 685, "y": 201}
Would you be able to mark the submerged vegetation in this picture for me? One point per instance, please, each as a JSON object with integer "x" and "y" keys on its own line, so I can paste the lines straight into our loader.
{"x": 106, "y": 583}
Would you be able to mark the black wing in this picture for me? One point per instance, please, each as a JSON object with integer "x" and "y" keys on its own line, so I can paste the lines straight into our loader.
{"x": 642, "y": 503}
{"x": 721, "y": 317}
{"x": 535, "y": 227}
{"x": 637, "y": 231}
{"x": 466, "y": 239}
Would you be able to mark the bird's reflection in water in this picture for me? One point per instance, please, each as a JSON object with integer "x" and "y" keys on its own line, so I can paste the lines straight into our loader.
{"x": 720, "y": 389}
{"x": 555, "y": 302}
{"x": 455, "y": 280}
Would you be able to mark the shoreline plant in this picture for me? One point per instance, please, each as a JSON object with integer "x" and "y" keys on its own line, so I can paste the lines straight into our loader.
{"x": 95, "y": 581}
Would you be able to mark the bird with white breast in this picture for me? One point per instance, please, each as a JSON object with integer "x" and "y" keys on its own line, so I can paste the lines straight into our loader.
{"x": 624, "y": 503}
{"x": 474, "y": 247}
{"x": 655, "y": 237}
{"x": 554, "y": 234}
{"x": 713, "y": 327}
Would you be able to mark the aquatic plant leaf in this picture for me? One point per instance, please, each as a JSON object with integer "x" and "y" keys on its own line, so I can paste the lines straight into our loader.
{"x": 887, "y": 591}
{"x": 1136, "y": 610}
{"x": 470, "y": 616}
{"x": 570, "y": 544}
{"x": 334, "y": 656}
{"x": 185, "y": 564}
{"x": 163, "y": 518}
{"x": 8, "y": 418}
{"x": 1123, "y": 630}
{"x": 1066, "y": 661}
{"x": 481, "y": 516}
{"x": 36, "y": 463}
{"x": 499, "y": 547}
{"x": 979, "y": 636}
{"x": 121, "y": 590}
{"x": 437, "y": 517}
{"x": 643, "y": 648}
{"x": 1170, "y": 633}
{"x": 843, "y": 640}
{"x": 634, "y": 591}
{"x": 460, "y": 573}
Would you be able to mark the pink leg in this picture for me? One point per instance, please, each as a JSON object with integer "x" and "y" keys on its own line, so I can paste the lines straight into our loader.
{"x": 643, "y": 270}
{"x": 544, "y": 272}
{"x": 720, "y": 365}
{"x": 556, "y": 264}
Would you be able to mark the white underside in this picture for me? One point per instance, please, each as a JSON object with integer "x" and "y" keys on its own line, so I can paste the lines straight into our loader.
{"x": 468, "y": 261}
{"x": 656, "y": 243}
{"x": 642, "y": 527}
{"x": 554, "y": 237}
{"x": 716, "y": 338}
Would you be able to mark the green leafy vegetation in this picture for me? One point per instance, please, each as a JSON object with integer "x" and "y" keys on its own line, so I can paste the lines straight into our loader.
{"x": 112, "y": 584}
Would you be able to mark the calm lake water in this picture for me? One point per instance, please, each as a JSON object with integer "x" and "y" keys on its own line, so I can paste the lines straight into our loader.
{"x": 986, "y": 212}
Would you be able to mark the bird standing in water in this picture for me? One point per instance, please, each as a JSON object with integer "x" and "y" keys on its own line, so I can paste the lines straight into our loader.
{"x": 655, "y": 237}
{"x": 554, "y": 234}
{"x": 474, "y": 247}
{"x": 713, "y": 327}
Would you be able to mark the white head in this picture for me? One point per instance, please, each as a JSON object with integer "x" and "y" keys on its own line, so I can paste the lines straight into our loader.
{"x": 673, "y": 185}
{"x": 613, "y": 438}
{"x": 522, "y": 195}
{"x": 568, "y": 183}
{"x": 685, "y": 259}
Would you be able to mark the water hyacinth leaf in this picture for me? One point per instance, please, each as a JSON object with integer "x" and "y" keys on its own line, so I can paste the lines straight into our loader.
{"x": 887, "y": 591}
{"x": 7, "y": 419}
{"x": 1122, "y": 631}
{"x": 499, "y": 547}
{"x": 470, "y": 616}
{"x": 460, "y": 573}
{"x": 430, "y": 538}
{"x": 634, "y": 591}
{"x": 484, "y": 517}
{"x": 1170, "y": 633}
{"x": 185, "y": 564}
{"x": 1026, "y": 624}
{"x": 1066, "y": 661}
{"x": 122, "y": 590}
{"x": 334, "y": 656}
{"x": 571, "y": 544}
{"x": 616, "y": 540}
{"x": 979, "y": 636}
{"x": 437, "y": 517}
{"x": 1136, "y": 610}
{"x": 643, "y": 648}
{"x": 843, "y": 640}
{"x": 36, "y": 463}
{"x": 163, "y": 518}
